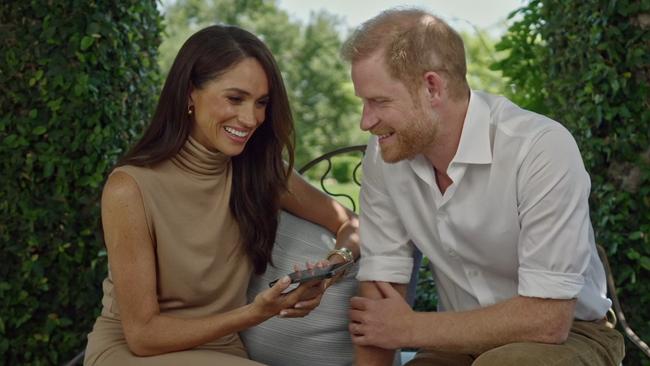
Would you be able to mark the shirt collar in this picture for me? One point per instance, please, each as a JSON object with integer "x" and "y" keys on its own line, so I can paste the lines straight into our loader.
{"x": 475, "y": 146}
{"x": 423, "y": 169}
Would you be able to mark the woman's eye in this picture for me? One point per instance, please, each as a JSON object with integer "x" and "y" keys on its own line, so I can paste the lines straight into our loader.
{"x": 262, "y": 103}
{"x": 235, "y": 100}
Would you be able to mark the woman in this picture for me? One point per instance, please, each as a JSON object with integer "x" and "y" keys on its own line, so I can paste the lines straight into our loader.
{"x": 192, "y": 210}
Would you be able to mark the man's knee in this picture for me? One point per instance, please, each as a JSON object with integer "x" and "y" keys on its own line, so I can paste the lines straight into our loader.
{"x": 515, "y": 354}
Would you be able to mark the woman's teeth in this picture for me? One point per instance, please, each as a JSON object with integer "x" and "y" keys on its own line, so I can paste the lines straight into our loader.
{"x": 237, "y": 133}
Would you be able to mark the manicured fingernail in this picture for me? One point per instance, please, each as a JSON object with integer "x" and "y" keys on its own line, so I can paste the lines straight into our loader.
{"x": 285, "y": 280}
{"x": 298, "y": 305}
{"x": 282, "y": 314}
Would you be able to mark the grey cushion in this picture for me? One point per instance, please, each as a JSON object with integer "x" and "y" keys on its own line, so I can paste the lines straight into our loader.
{"x": 322, "y": 337}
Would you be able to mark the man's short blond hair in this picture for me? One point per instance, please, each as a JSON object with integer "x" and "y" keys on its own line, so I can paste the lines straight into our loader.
{"x": 413, "y": 42}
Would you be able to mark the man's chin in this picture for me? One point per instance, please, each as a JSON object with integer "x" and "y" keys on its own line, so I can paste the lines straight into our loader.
{"x": 391, "y": 156}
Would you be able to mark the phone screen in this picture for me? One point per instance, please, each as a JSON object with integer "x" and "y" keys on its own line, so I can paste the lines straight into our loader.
{"x": 316, "y": 273}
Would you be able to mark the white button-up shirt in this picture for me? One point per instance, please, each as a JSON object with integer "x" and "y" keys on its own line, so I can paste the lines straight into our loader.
{"x": 515, "y": 220}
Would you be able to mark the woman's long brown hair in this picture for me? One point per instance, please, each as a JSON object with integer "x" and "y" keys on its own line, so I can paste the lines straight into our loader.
{"x": 259, "y": 173}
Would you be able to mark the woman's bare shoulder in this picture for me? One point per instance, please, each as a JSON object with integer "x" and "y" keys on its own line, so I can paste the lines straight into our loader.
{"x": 121, "y": 187}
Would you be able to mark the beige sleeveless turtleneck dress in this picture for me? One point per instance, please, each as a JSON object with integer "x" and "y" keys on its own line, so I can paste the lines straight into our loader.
{"x": 201, "y": 268}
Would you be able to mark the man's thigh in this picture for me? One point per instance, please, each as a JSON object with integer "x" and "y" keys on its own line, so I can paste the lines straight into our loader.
{"x": 588, "y": 344}
{"x": 439, "y": 358}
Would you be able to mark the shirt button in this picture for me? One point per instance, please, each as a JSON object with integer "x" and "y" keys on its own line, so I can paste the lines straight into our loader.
{"x": 451, "y": 253}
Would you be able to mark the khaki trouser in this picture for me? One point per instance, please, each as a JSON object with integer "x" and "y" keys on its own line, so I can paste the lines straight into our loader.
{"x": 588, "y": 344}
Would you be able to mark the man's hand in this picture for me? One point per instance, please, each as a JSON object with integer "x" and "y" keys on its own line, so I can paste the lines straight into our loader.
{"x": 385, "y": 322}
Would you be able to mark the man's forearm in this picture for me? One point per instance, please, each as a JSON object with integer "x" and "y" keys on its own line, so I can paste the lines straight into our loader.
{"x": 373, "y": 356}
{"x": 520, "y": 319}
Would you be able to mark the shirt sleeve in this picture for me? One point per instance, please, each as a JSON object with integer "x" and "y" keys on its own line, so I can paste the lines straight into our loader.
{"x": 554, "y": 242}
{"x": 386, "y": 253}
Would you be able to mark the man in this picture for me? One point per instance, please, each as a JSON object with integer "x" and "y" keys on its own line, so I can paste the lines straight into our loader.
{"x": 494, "y": 195}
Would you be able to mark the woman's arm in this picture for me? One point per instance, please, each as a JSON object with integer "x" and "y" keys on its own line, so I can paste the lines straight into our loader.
{"x": 131, "y": 255}
{"x": 309, "y": 203}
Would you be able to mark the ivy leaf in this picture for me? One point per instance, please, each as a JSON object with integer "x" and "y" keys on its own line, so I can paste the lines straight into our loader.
{"x": 633, "y": 254}
{"x": 645, "y": 263}
{"x": 635, "y": 235}
{"x": 86, "y": 42}
{"x": 39, "y": 130}
{"x": 48, "y": 169}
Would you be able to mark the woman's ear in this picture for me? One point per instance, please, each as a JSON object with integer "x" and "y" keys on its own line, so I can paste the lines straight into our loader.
{"x": 190, "y": 102}
{"x": 436, "y": 87}
{"x": 190, "y": 96}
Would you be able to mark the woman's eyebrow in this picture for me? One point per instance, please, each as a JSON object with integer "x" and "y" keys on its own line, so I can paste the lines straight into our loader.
{"x": 244, "y": 92}
{"x": 241, "y": 91}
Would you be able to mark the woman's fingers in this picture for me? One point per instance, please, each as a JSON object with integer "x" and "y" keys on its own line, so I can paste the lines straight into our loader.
{"x": 278, "y": 288}
{"x": 309, "y": 304}
{"x": 294, "y": 313}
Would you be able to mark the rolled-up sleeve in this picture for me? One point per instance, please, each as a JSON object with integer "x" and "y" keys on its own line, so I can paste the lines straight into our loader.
{"x": 386, "y": 254}
{"x": 554, "y": 245}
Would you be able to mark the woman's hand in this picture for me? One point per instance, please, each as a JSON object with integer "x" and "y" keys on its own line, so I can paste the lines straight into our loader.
{"x": 311, "y": 298}
{"x": 334, "y": 259}
{"x": 295, "y": 303}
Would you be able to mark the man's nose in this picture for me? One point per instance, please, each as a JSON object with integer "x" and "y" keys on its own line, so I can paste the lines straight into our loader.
{"x": 368, "y": 119}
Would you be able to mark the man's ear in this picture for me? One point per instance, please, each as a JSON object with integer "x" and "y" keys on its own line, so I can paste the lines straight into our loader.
{"x": 436, "y": 87}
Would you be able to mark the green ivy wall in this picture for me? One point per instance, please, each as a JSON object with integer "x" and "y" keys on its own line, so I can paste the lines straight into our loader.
{"x": 587, "y": 65}
{"x": 77, "y": 81}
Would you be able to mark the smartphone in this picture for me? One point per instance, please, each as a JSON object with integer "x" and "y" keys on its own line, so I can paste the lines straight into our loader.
{"x": 316, "y": 273}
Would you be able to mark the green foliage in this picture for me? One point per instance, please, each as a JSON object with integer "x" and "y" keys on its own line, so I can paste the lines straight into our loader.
{"x": 77, "y": 83}
{"x": 481, "y": 54}
{"x": 426, "y": 295}
{"x": 591, "y": 71}
{"x": 343, "y": 170}
{"x": 523, "y": 63}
